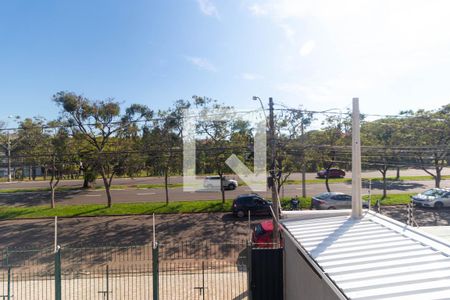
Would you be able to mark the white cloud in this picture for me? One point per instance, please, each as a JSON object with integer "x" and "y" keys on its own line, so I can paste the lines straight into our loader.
{"x": 258, "y": 10}
{"x": 289, "y": 32}
{"x": 208, "y": 8}
{"x": 251, "y": 76}
{"x": 385, "y": 50}
{"x": 307, "y": 48}
{"x": 202, "y": 63}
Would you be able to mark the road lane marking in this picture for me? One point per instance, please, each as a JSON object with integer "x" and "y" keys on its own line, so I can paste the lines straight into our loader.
{"x": 93, "y": 195}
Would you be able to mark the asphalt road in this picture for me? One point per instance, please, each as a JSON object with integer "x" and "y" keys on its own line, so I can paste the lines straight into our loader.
{"x": 132, "y": 195}
{"x": 179, "y": 179}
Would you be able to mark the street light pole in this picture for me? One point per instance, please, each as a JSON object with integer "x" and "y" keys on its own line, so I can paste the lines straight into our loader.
{"x": 303, "y": 161}
{"x": 8, "y": 146}
{"x": 276, "y": 236}
{"x": 271, "y": 123}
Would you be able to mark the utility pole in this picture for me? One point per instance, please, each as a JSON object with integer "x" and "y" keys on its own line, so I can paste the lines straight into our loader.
{"x": 303, "y": 161}
{"x": 8, "y": 148}
{"x": 356, "y": 162}
{"x": 276, "y": 236}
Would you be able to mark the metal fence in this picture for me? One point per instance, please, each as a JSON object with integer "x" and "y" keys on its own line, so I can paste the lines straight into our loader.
{"x": 170, "y": 271}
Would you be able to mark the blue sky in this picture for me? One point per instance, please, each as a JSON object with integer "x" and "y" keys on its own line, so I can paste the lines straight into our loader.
{"x": 318, "y": 54}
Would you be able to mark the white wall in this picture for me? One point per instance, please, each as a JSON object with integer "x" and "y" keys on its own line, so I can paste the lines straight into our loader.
{"x": 300, "y": 280}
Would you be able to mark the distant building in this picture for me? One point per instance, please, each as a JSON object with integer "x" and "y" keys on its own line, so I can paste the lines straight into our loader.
{"x": 15, "y": 170}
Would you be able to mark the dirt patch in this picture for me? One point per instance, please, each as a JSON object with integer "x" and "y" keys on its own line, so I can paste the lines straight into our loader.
{"x": 125, "y": 230}
{"x": 423, "y": 216}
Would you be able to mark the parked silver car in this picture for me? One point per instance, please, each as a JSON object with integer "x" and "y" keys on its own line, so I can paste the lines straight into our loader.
{"x": 333, "y": 200}
{"x": 436, "y": 198}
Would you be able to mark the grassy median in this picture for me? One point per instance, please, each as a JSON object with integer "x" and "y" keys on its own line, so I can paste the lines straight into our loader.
{"x": 90, "y": 210}
{"x": 201, "y": 206}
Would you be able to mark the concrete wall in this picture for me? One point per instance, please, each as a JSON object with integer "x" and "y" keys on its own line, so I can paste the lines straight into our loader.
{"x": 300, "y": 280}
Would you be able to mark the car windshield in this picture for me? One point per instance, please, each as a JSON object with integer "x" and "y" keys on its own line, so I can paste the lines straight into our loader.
{"x": 322, "y": 196}
{"x": 434, "y": 192}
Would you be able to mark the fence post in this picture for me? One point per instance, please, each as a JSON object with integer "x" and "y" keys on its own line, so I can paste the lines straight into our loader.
{"x": 9, "y": 283}
{"x": 58, "y": 273}
{"x": 107, "y": 282}
{"x": 155, "y": 260}
{"x": 249, "y": 270}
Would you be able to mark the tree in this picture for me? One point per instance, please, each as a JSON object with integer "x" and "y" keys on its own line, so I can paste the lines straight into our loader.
{"x": 217, "y": 132}
{"x": 330, "y": 143}
{"x": 430, "y": 132}
{"x": 110, "y": 133}
{"x": 292, "y": 154}
{"x": 32, "y": 142}
{"x": 162, "y": 143}
{"x": 381, "y": 139}
{"x": 60, "y": 158}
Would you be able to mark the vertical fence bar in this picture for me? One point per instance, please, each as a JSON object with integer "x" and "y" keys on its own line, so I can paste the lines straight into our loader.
{"x": 249, "y": 270}
{"x": 203, "y": 279}
{"x": 9, "y": 283}
{"x": 107, "y": 282}
{"x": 58, "y": 273}
{"x": 155, "y": 253}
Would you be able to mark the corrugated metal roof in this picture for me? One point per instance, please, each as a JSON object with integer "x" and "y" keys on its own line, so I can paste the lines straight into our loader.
{"x": 375, "y": 257}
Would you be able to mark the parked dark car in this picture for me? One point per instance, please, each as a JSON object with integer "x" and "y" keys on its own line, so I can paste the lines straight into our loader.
{"x": 332, "y": 173}
{"x": 251, "y": 202}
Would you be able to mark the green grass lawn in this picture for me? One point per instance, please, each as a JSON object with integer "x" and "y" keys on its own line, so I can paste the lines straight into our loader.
{"x": 202, "y": 206}
{"x": 116, "y": 209}
{"x": 393, "y": 199}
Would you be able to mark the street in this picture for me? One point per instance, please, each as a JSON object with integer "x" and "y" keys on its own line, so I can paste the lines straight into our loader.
{"x": 131, "y": 195}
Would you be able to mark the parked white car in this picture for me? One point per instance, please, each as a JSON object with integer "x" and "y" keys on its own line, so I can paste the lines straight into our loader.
{"x": 436, "y": 198}
{"x": 213, "y": 182}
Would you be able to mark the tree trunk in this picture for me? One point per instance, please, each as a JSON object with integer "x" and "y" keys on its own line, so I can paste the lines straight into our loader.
{"x": 166, "y": 185}
{"x": 327, "y": 185}
{"x": 437, "y": 178}
{"x": 107, "y": 189}
{"x": 384, "y": 184}
{"x": 52, "y": 191}
{"x": 85, "y": 183}
{"x": 53, "y": 186}
{"x": 398, "y": 174}
{"x": 53, "y": 195}
{"x": 304, "y": 180}
{"x": 222, "y": 190}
